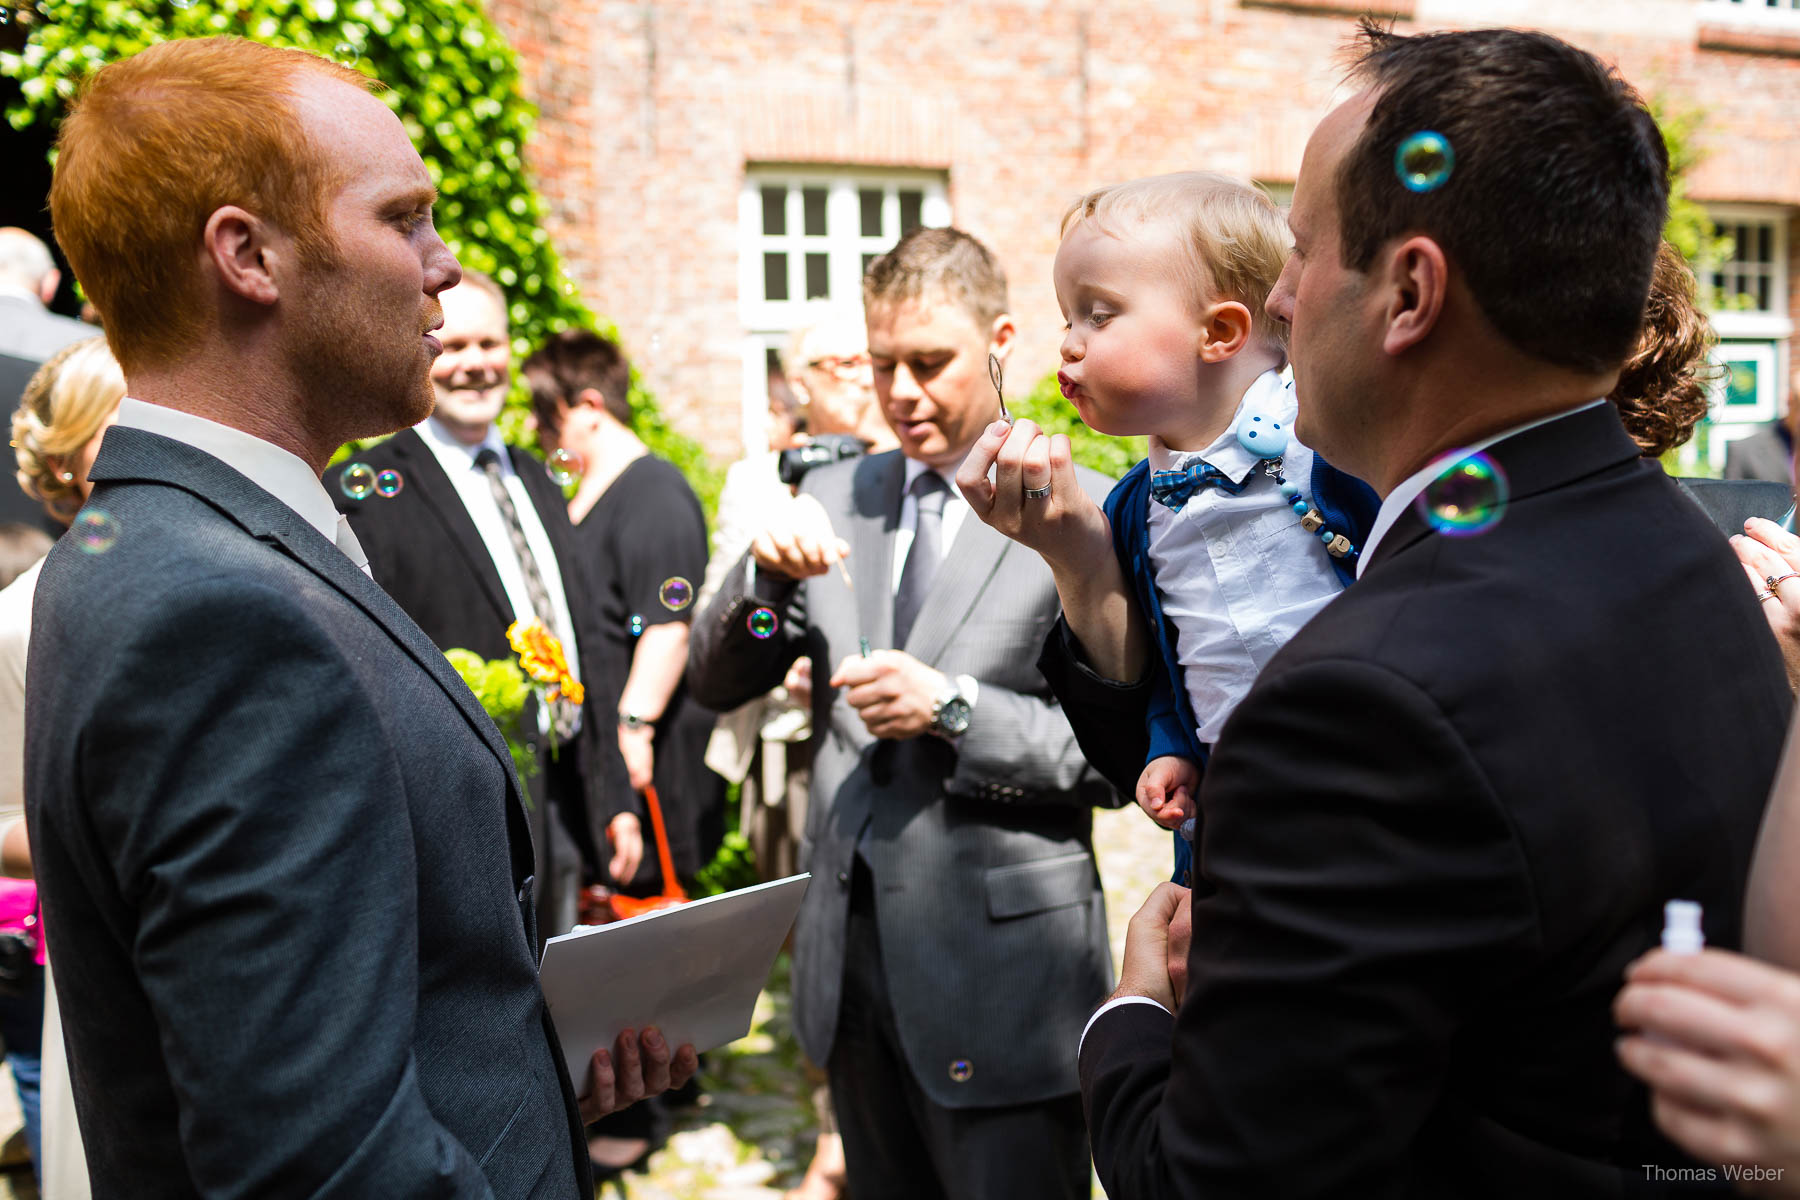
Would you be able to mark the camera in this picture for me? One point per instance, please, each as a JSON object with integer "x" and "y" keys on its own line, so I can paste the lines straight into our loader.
{"x": 792, "y": 465}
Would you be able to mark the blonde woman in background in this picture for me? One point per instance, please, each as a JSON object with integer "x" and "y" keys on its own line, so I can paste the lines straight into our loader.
{"x": 66, "y": 409}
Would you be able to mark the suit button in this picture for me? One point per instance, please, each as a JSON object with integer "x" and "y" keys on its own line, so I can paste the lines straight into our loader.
{"x": 961, "y": 1070}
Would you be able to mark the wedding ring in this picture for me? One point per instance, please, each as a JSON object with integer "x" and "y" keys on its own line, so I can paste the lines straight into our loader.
{"x": 1775, "y": 581}
{"x": 1041, "y": 493}
{"x": 1765, "y": 594}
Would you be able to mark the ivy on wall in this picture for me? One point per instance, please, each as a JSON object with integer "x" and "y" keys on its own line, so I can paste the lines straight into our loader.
{"x": 454, "y": 82}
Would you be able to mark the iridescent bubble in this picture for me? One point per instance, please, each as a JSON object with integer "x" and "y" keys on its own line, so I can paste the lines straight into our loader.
{"x": 183, "y": 5}
{"x": 565, "y": 467}
{"x": 762, "y": 623}
{"x": 637, "y": 624}
{"x": 676, "y": 594}
{"x": 95, "y": 530}
{"x": 1424, "y": 161}
{"x": 358, "y": 480}
{"x": 388, "y": 484}
{"x": 1468, "y": 497}
{"x": 346, "y": 53}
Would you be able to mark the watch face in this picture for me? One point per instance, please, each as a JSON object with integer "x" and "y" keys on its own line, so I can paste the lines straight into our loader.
{"x": 953, "y": 718}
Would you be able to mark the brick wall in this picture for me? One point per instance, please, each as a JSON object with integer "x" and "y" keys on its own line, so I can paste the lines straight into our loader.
{"x": 650, "y": 112}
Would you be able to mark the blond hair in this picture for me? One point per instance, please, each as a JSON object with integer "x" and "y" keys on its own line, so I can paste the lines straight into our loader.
{"x": 63, "y": 407}
{"x": 1236, "y": 238}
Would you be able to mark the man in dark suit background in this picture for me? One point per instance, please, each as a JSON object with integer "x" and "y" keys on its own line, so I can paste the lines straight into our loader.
{"x": 279, "y": 842}
{"x": 1450, "y": 810}
{"x": 476, "y": 538}
{"x": 954, "y": 937}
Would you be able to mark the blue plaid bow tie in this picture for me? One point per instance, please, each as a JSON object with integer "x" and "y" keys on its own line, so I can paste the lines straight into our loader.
{"x": 1173, "y": 489}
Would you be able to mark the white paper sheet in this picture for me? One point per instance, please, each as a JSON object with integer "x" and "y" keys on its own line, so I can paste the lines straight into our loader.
{"x": 693, "y": 971}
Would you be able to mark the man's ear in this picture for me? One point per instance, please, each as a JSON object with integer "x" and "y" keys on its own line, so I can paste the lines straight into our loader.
{"x": 1000, "y": 336}
{"x": 244, "y": 253}
{"x": 48, "y": 284}
{"x": 1418, "y": 280}
{"x": 1224, "y": 330}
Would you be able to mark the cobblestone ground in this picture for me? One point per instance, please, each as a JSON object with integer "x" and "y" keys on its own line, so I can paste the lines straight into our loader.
{"x": 752, "y": 1136}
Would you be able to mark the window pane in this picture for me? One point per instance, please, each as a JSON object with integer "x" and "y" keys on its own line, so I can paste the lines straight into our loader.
{"x": 867, "y": 259}
{"x": 775, "y": 276}
{"x": 910, "y": 205}
{"x": 774, "y": 211}
{"x": 1765, "y": 253}
{"x": 813, "y": 202}
{"x": 1762, "y": 293}
{"x": 772, "y": 360}
{"x": 871, "y": 211}
{"x": 818, "y": 277}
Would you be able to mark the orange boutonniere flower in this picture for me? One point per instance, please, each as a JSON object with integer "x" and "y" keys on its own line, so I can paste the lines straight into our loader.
{"x": 542, "y": 657}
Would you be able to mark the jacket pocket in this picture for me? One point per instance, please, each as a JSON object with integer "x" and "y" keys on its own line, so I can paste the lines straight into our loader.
{"x": 1024, "y": 888}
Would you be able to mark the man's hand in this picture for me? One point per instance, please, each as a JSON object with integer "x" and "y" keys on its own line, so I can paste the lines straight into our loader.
{"x": 892, "y": 691}
{"x": 1149, "y": 941}
{"x": 798, "y": 541}
{"x": 1166, "y": 789}
{"x": 643, "y": 1069}
{"x": 1066, "y": 527}
{"x": 627, "y": 837}
{"x": 799, "y": 683}
{"x": 637, "y": 747}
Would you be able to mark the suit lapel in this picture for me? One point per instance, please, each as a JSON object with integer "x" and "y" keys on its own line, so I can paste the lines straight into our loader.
{"x": 137, "y": 454}
{"x": 876, "y": 501}
{"x": 424, "y": 472}
{"x": 962, "y": 577}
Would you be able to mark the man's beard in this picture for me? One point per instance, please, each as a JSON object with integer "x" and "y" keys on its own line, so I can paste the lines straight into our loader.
{"x": 359, "y": 384}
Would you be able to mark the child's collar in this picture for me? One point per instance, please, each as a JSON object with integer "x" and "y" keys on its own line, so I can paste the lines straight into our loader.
{"x": 1270, "y": 395}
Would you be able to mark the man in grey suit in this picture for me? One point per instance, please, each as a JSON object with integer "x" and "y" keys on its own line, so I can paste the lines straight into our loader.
{"x": 954, "y": 938}
{"x": 280, "y": 843}
{"x": 29, "y": 334}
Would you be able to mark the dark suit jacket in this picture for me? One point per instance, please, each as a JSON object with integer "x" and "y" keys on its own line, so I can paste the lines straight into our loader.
{"x": 992, "y": 923}
{"x": 284, "y": 856}
{"x": 1439, "y": 826}
{"x": 425, "y": 552}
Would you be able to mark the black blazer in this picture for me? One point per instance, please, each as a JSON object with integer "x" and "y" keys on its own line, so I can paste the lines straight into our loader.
{"x": 1439, "y": 826}
{"x": 425, "y": 552}
{"x": 287, "y": 868}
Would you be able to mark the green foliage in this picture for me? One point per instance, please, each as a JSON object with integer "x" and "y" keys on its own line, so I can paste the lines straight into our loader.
{"x": 1689, "y": 227}
{"x": 1045, "y": 406}
{"x": 502, "y": 689}
{"x": 733, "y": 867}
{"x": 453, "y": 81}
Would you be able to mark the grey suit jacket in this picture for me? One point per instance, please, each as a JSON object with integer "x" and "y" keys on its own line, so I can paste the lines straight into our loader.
{"x": 29, "y": 330}
{"x": 988, "y": 902}
{"x": 284, "y": 855}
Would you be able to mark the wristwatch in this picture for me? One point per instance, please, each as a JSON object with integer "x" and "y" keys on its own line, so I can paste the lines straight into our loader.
{"x": 950, "y": 712}
{"x": 633, "y": 721}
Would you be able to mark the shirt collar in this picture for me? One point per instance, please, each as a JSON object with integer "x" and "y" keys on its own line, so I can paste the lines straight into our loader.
{"x": 1270, "y": 393}
{"x": 915, "y": 468}
{"x": 274, "y": 470}
{"x": 1410, "y": 487}
{"x": 448, "y": 447}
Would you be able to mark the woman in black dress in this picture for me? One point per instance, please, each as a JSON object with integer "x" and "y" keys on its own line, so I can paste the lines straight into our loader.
{"x": 641, "y": 538}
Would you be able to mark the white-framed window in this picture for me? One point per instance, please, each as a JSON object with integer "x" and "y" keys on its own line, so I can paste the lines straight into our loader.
{"x": 805, "y": 235}
{"x": 1781, "y": 12}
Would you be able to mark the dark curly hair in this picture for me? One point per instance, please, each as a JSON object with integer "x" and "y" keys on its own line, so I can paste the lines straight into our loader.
{"x": 1663, "y": 387}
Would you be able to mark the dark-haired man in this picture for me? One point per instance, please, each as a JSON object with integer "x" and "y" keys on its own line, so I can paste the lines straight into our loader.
{"x": 1450, "y": 810}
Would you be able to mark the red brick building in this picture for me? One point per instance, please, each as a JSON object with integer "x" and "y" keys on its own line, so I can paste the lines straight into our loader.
{"x": 713, "y": 164}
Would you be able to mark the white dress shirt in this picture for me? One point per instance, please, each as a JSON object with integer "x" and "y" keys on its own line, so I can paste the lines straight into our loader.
{"x": 1410, "y": 488}
{"x": 471, "y": 484}
{"x": 268, "y": 466}
{"x": 1237, "y": 575}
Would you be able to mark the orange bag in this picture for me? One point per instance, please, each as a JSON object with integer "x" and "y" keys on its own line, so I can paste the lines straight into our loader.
{"x": 600, "y": 905}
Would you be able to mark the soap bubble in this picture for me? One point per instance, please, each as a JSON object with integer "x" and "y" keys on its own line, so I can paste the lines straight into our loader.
{"x": 1424, "y": 161}
{"x": 565, "y": 467}
{"x": 95, "y": 530}
{"x": 358, "y": 480}
{"x": 762, "y": 623}
{"x": 346, "y": 53}
{"x": 388, "y": 484}
{"x": 183, "y": 5}
{"x": 637, "y": 624}
{"x": 676, "y": 594}
{"x": 1468, "y": 497}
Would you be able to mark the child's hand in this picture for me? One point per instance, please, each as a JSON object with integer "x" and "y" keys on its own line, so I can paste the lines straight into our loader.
{"x": 1166, "y": 789}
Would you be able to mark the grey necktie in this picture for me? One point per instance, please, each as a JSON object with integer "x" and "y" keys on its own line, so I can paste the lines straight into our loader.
{"x": 564, "y": 715}
{"x": 923, "y": 558}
